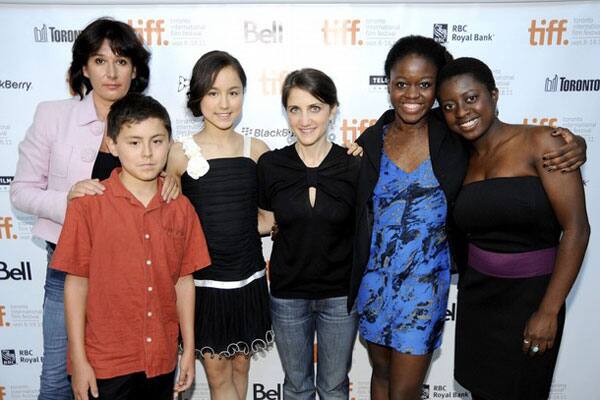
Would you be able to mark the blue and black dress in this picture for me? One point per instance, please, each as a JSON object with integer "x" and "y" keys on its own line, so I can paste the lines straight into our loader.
{"x": 404, "y": 291}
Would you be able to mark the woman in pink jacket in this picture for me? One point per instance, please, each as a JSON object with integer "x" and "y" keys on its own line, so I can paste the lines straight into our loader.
{"x": 64, "y": 155}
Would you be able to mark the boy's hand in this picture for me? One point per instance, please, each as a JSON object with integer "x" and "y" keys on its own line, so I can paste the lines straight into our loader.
{"x": 84, "y": 379}
{"x": 187, "y": 372}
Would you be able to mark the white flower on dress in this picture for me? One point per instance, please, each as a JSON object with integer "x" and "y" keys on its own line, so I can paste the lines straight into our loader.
{"x": 197, "y": 165}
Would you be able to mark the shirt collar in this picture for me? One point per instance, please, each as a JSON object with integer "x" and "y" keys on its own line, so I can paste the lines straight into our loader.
{"x": 119, "y": 190}
{"x": 86, "y": 112}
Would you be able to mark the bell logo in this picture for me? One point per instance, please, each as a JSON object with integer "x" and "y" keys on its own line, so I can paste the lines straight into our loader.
{"x": 550, "y": 33}
{"x": 3, "y": 321}
{"x": 150, "y": 31}
{"x": 341, "y": 32}
{"x": 271, "y": 81}
{"x": 273, "y": 34}
{"x": 351, "y": 129}
{"x": 545, "y": 121}
{"x": 6, "y": 228}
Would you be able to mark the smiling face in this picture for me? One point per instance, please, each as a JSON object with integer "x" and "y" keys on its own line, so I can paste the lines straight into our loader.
{"x": 308, "y": 117}
{"x": 222, "y": 104}
{"x": 109, "y": 74}
{"x": 468, "y": 105}
{"x": 142, "y": 148}
{"x": 412, "y": 87}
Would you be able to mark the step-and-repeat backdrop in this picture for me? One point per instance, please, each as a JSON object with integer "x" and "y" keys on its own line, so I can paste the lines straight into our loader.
{"x": 545, "y": 58}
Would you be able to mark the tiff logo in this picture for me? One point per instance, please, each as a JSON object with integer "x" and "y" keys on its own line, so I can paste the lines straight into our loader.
{"x": 549, "y": 34}
{"x": 270, "y": 83}
{"x": 341, "y": 32}
{"x": 41, "y": 34}
{"x": 545, "y": 121}
{"x": 351, "y": 129}
{"x": 3, "y": 321}
{"x": 150, "y": 31}
{"x": 6, "y": 228}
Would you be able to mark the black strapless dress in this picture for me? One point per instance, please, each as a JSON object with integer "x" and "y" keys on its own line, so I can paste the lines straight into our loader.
{"x": 504, "y": 216}
{"x": 232, "y": 300}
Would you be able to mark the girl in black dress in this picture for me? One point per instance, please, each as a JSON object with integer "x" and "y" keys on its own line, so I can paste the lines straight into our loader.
{"x": 511, "y": 298}
{"x": 217, "y": 167}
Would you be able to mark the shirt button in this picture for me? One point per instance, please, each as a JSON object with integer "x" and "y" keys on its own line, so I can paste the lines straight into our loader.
{"x": 147, "y": 236}
{"x": 149, "y": 313}
{"x": 148, "y": 262}
{"x": 149, "y": 288}
{"x": 148, "y": 339}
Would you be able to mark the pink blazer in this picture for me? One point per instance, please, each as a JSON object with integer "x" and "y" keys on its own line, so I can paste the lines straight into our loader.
{"x": 59, "y": 149}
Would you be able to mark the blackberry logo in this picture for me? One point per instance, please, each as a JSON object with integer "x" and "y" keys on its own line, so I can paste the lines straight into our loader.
{"x": 440, "y": 33}
{"x": 9, "y": 357}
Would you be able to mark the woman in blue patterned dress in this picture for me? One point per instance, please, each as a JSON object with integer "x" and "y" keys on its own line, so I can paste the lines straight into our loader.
{"x": 410, "y": 175}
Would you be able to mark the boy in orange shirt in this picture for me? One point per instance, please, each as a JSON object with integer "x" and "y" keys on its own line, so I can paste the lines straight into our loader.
{"x": 129, "y": 256}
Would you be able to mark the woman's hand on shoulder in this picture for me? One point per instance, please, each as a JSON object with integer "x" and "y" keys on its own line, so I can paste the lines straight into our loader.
{"x": 567, "y": 157}
{"x": 353, "y": 149}
{"x": 86, "y": 187}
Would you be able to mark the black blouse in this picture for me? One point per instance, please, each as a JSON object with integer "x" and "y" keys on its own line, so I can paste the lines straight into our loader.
{"x": 104, "y": 164}
{"x": 312, "y": 252}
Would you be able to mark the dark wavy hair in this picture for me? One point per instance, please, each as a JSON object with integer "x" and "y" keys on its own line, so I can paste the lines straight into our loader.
{"x": 134, "y": 108}
{"x": 468, "y": 66}
{"x": 123, "y": 42}
{"x": 315, "y": 82}
{"x": 420, "y": 45}
{"x": 204, "y": 74}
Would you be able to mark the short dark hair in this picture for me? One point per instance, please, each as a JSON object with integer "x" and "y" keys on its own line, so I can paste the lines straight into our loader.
{"x": 419, "y": 45}
{"x": 123, "y": 42}
{"x": 135, "y": 108}
{"x": 204, "y": 74}
{"x": 315, "y": 82}
{"x": 468, "y": 66}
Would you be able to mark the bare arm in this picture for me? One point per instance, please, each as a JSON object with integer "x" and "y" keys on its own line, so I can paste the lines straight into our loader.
{"x": 186, "y": 294}
{"x": 76, "y": 291}
{"x": 266, "y": 221}
{"x": 566, "y": 195}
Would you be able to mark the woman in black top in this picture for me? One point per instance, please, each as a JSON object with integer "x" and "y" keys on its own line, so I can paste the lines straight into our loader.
{"x": 310, "y": 186}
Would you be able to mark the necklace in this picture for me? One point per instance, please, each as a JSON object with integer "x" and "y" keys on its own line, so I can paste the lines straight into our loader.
{"x": 317, "y": 161}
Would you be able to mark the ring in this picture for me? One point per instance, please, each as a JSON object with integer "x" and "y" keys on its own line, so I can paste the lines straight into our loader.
{"x": 526, "y": 341}
{"x": 535, "y": 348}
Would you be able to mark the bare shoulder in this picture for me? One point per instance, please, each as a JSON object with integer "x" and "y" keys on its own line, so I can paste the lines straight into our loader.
{"x": 258, "y": 148}
{"x": 540, "y": 139}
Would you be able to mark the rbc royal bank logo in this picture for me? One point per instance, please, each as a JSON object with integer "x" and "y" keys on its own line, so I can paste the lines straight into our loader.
{"x": 548, "y": 33}
{"x": 9, "y": 357}
{"x": 440, "y": 33}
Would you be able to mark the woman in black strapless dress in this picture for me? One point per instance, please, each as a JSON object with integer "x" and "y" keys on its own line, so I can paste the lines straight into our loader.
{"x": 511, "y": 299}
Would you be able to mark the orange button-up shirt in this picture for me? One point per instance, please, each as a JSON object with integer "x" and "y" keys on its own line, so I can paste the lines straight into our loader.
{"x": 132, "y": 256}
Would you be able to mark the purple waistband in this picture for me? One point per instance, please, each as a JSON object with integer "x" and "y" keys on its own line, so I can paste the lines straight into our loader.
{"x": 512, "y": 265}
